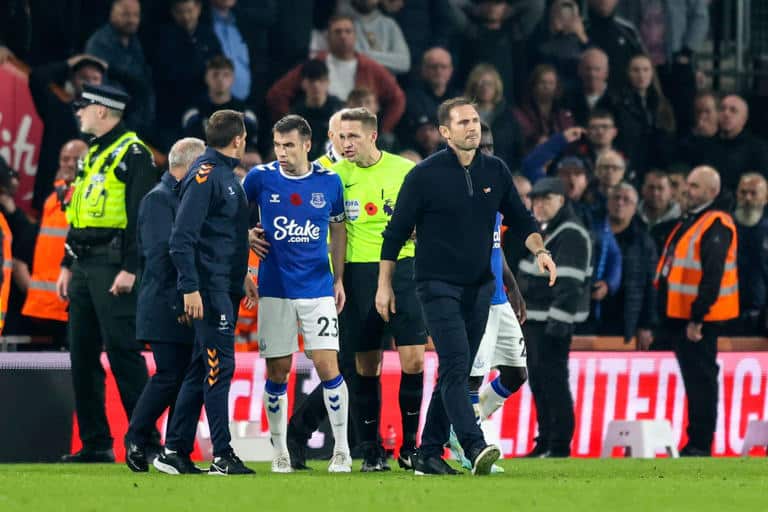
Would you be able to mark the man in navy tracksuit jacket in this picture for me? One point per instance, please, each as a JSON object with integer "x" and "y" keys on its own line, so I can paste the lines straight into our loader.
{"x": 452, "y": 198}
{"x": 158, "y": 310}
{"x": 209, "y": 248}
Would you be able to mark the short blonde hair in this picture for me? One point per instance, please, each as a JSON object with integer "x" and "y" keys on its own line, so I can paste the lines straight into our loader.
{"x": 474, "y": 79}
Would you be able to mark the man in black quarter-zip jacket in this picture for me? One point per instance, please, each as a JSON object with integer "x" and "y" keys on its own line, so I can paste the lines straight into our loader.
{"x": 451, "y": 198}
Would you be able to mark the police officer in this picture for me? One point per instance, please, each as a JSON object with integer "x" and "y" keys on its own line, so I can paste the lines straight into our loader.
{"x": 209, "y": 248}
{"x": 159, "y": 316}
{"x": 99, "y": 270}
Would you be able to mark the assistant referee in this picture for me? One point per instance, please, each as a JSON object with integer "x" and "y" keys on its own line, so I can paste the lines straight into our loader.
{"x": 451, "y": 198}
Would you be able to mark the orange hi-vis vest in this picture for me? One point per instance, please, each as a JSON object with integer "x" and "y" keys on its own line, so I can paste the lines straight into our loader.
{"x": 42, "y": 301}
{"x": 5, "y": 289}
{"x": 247, "y": 319}
{"x": 683, "y": 271}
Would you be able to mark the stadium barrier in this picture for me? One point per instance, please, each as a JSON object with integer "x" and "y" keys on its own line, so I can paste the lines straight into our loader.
{"x": 605, "y": 386}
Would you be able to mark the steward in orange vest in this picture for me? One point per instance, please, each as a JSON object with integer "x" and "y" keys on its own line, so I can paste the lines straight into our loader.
{"x": 698, "y": 287}
{"x": 42, "y": 300}
{"x": 5, "y": 288}
{"x": 247, "y": 325}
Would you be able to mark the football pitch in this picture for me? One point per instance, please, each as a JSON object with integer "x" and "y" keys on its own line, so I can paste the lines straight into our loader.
{"x": 562, "y": 485}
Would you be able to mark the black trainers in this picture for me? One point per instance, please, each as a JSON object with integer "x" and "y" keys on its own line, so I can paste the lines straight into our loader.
{"x": 298, "y": 451}
{"x": 405, "y": 458}
{"x": 152, "y": 450}
{"x": 136, "y": 458}
{"x": 539, "y": 449}
{"x": 229, "y": 464}
{"x": 692, "y": 451}
{"x": 87, "y": 456}
{"x": 373, "y": 460}
{"x": 431, "y": 466}
{"x": 172, "y": 463}
{"x": 483, "y": 459}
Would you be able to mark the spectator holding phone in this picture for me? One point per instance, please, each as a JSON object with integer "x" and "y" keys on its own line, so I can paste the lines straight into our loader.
{"x": 559, "y": 40}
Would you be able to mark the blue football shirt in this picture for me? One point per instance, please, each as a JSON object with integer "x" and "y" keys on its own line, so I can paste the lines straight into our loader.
{"x": 295, "y": 214}
{"x": 499, "y": 297}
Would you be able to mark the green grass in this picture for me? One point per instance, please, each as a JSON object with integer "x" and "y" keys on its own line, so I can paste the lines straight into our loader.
{"x": 561, "y": 485}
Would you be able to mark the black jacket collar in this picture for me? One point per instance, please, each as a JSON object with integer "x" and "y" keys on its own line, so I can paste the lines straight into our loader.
{"x": 477, "y": 159}
{"x": 168, "y": 180}
{"x": 215, "y": 156}
{"x": 111, "y": 136}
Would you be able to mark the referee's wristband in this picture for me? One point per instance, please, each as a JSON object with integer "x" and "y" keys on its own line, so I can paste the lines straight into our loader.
{"x": 542, "y": 251}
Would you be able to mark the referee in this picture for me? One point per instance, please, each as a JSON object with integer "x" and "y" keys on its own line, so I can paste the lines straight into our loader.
{"x": 451, "y": 198}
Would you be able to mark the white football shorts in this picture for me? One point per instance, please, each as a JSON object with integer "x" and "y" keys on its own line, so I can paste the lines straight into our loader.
{"x": 281, "y": 321}
{"x": 502, "y": 343}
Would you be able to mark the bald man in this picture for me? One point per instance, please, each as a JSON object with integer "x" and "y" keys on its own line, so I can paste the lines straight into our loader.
{"x": 70, "y": 153}
{"x": 697, "y": 282}
{"x": 592, "y": 94}
{"x": 735, "y": 150}
{"x": 752, "y": 228}
{"x": 433, "y": 87}
{"x": 333, "y": 151}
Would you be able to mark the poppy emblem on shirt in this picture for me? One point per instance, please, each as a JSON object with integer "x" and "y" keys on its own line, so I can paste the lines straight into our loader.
{"x": 295, "y": 199}
{"x": 371, "y": 209}
{"x": 203, "y": 172}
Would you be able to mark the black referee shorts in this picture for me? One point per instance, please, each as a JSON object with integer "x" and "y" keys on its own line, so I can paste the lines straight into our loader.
{"x": 361, "y": 327}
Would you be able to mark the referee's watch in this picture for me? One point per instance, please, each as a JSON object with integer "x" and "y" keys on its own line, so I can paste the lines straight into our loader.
{"x": 542, "y": 251}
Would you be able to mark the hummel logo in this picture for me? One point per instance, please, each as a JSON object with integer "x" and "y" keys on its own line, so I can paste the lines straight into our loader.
{"x": 273, "y": 399}
{"x": 334, "y": 398}
{"x": 274, "y": 409}
{"x": 231, "y": 191}
{"x": 335, "y": 407}
{"x": 223, "y": 324}
{"x": 275, "y": 198}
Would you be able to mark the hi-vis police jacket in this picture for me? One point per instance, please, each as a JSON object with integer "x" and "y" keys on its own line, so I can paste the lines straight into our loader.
{"x": 117, "y": 173}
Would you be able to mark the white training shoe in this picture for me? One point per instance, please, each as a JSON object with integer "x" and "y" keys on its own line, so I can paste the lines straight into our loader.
{"x": 341, "y": 462}
{"x": 282, "y": 464}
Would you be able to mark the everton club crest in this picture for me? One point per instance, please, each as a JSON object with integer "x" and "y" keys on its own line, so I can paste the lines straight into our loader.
{"x": 318, "y": 200}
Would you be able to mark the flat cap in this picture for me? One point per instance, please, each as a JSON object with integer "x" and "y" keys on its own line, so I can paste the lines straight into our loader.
{"x": 547, "y": 186}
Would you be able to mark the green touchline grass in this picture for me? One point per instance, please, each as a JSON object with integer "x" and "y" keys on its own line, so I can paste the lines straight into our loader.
{"x": 561, "y": 485}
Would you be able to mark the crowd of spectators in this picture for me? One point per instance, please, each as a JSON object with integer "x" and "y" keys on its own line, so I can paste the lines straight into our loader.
{"x": 602, "y": 93}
